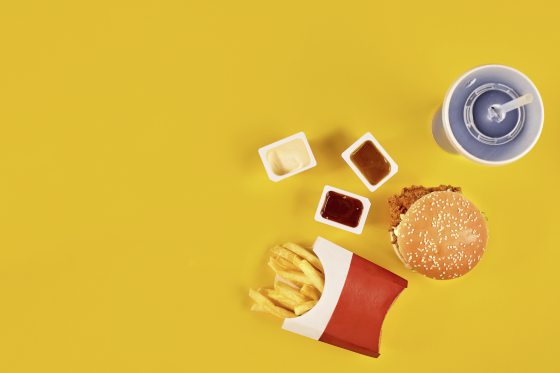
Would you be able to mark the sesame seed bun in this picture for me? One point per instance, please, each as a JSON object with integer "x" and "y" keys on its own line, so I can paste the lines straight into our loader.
{"x": 442, "y": 235}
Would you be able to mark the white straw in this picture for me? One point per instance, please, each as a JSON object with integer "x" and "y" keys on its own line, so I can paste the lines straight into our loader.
{"x": 498, "y": 112}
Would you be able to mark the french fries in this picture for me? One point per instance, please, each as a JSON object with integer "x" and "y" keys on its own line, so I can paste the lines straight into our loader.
{"x": 297, "y": 278}
{"x": 305, "y": 254}
{"x": 280, "y": 298}
{"x": 291, "y": 293}
{"x": 281, "y": 264}
{"x": 282, "y": 252}
{"x": 299, "y": 284}
{"x": 314, "y": 276}
{"x": 257, "y": 308}
{"x": 287, "y": 264}
{"x": 268, "y": 305}
{"x": 310, "y": 292}
{"x": 300, "y": 309}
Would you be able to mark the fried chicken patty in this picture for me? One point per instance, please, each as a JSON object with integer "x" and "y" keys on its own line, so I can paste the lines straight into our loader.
{"x": 400, "y": 203}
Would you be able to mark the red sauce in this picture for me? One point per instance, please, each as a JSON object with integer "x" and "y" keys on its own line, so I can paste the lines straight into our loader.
{"x": 342, "y": 209}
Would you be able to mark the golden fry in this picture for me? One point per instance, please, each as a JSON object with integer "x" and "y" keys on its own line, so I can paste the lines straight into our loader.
{"x": 310, "y": 291}
{"x": 280, "y": 299}
{"x": 287, "y": 264}
{"x": 315, "y": 277}
{"x": 290, "y": 292}
{"x": 305, "y": 254}
{"x": 280, "y": 264}
{"x": 282, "y": 252}
{"x": 278, "y": 280}
{"x": 304, "y": 307}
{"x": 292, "y": 284}
{"x": 273, "y": 263}
{"x": 268, "y": 305}
{"x": 257, "y": 308}
{"x": 298, "y": 284}
{"x": 297, "y": 278}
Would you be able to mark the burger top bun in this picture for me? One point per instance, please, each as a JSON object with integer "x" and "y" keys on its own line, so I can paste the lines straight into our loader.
{"x": 442, "y": 235}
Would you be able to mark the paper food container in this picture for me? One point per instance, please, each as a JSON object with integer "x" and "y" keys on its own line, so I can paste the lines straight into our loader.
{"x": 356, "y": 297}
{"x": 287, "y": 157}
{"x": 347, "y": 154}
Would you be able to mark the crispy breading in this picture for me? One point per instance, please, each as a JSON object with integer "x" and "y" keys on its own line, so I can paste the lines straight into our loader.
{"x": 400, "y": 203}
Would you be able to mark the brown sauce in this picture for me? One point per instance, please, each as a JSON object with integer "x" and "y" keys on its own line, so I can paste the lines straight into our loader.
{"x": 342, "y": 209}
{"x": 371, "y": 163}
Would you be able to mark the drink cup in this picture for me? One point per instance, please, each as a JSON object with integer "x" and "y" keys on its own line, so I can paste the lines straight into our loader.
{"x": 467, "y": 122}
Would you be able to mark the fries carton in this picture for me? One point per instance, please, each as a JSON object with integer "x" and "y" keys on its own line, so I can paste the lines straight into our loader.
{"x": 356, "y": 297}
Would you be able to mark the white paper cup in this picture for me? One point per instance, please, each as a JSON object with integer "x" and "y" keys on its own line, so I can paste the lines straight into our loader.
{"x": 451, "y": 132}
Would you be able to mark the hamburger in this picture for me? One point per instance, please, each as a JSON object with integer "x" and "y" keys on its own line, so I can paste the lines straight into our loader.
{"x": 437, "y": 231}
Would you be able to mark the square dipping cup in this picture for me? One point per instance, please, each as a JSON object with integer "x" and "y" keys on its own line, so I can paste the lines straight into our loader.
{"x": 347, "y": 156}
{"x": 287, "y": 157}
{"x": 323, "y": 204}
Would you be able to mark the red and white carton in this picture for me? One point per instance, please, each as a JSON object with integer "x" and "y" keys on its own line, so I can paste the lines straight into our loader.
{"x": 355, "y": 299}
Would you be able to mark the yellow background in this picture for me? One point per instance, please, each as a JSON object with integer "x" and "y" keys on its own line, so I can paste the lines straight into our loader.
{"x": 135, "y": 212}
